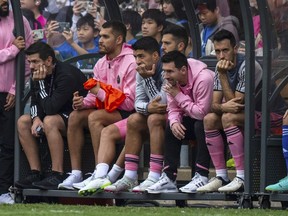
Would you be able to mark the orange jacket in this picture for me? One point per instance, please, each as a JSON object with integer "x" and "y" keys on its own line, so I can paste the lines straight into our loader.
{"x": 113, "y": 99}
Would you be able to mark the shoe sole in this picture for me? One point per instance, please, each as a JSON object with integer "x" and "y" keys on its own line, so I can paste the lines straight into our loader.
{"x": 65, "y": 188}
{"x": 77, "y": 188}
{"x": 187, "y": 191}
{"x": 163, "y": 191}
{"x": 92, "y": 191}
{"x": 241, "y": 189}
{"x": 112, "y": 191}
{"x": 139, "y": 191}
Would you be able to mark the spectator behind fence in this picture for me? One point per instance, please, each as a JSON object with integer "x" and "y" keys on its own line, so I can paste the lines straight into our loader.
{"x": 80, "y": 9}
{"x": 117, "y": 68}
{"x": 88, "y": 39}
{"x": 29, "y": 15}
{"x": 189, "y": 93}
{"x": 34, "y": 24}
{"x": 212, "y": 21}
{"x": 37, "y": 6}
{"x": 132, "y": 21}
{"x": 61, "y": 39}
{"x": 10, "y": 46}
{"x": 52, "y": 86}
{"x": 174, "y": 11}
{"x": 148, "y": 121}
{"x": 153, "y": 22}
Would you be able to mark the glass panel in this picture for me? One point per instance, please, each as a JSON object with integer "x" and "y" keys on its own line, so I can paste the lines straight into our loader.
{"x": 279, "y": 72}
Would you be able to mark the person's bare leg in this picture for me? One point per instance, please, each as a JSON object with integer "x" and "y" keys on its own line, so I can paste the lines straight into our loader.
{"x": 157, "y": 124}
{"x": 136, "y": 126}
{"x": 55, "y": 128}
{"x": 121, "y": 158}
{"x": 110, "y": 135}
{"x": 28, "y": 142}
{"x": 77, "y": 122}
{"x": 97, "y": 121}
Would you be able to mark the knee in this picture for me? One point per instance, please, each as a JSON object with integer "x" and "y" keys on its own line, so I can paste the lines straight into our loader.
{"x": 156, "y": 120}
{"x": 49, "y": 122}
{"x": 227, "y": 119}
{"x": 24, "y": 123}
{"x": 75, "y": 119}
{"x": 94, "y": 117}
{"x": 209, "y": 121}
{"x": 110, "y": 132}
{"x": 136, "y": 121}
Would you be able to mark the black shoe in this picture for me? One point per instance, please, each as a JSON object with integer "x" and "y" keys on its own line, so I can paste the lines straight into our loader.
{"x": 26, "y": 183}
{"x": 51, "y": 182}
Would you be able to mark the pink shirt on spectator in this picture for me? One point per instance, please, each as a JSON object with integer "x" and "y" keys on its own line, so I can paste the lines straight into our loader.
{"x": 8, "y": 52}
{"x": 41, "y": 19}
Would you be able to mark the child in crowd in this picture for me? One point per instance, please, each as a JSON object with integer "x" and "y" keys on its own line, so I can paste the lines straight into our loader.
{"x": 64, "y": 44}
{"x": 153, "y": 22}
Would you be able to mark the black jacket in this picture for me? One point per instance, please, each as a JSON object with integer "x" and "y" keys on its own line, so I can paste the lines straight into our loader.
{"x": 54, "y": 94}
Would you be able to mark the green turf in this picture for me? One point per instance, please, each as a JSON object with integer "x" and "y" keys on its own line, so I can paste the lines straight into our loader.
{"x": 63, "y": 210}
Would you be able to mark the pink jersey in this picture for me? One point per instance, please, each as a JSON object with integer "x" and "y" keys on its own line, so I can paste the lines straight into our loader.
{"x": 119, "y": 72}
{"x": 195, "y": 98}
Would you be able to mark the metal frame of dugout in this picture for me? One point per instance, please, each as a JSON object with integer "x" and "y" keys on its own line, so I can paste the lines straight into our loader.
{"x": 257, "y": 155}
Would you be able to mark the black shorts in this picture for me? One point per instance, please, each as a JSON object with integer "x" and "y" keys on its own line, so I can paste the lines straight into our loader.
{"x": 125, "y": 114}
{"x": 65, "y": 117}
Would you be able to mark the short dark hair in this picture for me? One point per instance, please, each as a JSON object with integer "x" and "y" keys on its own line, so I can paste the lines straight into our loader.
{"x": 177, "y": 57}
{"x": 209, "y": 4}
{"x": 43, "y": 5}
{"x": 117, "y": 27}
{"x": 43, "y": 49}
{"x": 155, "y": 15}
{"x": 178, "y": 32}
{"x": 87, "y": 19}
{"x": 133, "y": 18}
{"x": 148, "y": 44}
{"x": 224, "y": 34}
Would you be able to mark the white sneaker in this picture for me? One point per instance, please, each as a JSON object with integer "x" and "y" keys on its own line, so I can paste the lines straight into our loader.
{"x": 237, "y": 185}
{"x": 144, "y": 185}
{"x": 69, "y": 181}
{"x": 7, "y": 198}
{"x": 213, "y": 185}
{"x": 123, "y": 184}
{"x": 196, "y": 182}
{"x": 82, "y": 184}
{"x": 95, "y": 186}
{"x": 164, "y": 185}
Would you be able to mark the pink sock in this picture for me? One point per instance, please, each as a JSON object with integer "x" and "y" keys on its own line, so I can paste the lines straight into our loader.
{"x": 235, "y": 141}
{"x": 215, "y": 146}
{"x": 156, "y": 163}
{"x": 131, "y": 162}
